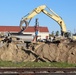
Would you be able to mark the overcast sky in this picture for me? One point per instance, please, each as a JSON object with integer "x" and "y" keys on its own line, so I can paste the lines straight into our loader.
{"x": 11, "y": 12}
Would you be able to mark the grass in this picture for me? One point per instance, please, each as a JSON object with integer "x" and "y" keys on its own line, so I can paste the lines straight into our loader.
{"x": 35, "y": 64}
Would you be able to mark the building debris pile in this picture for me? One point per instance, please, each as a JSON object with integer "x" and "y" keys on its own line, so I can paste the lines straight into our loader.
{"x": 45, "y": 52}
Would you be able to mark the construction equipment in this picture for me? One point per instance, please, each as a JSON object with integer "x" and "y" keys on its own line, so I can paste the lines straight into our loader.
{"x": 51, "y": 14}
{"x": 30, "y": 16}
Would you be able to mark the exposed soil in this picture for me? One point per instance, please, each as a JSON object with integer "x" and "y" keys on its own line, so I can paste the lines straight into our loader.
{"x": 45, "y": 52}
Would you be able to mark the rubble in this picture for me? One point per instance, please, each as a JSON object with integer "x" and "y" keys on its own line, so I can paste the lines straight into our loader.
{"x": 45, "y": 52}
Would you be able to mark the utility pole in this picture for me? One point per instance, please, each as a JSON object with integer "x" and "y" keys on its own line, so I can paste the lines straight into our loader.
{"x": 36, "y": 28}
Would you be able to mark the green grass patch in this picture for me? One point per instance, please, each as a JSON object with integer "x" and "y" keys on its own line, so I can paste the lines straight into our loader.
{"x": 35, "y": 64}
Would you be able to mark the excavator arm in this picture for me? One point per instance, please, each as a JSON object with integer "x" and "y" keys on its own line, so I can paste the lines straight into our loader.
{"x": 31, "y": 15}
{"x": 51, "y": 14}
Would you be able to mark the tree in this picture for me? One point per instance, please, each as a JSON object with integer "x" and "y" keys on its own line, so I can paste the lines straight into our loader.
{"x": 57, "y": 33}
{"x": 52, "y": 33}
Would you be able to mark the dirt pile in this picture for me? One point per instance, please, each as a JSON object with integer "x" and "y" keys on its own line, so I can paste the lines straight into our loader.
{"x": 43, "y": 52}
{"x": 58, "y": 53}
{"x": 14, "y": 53}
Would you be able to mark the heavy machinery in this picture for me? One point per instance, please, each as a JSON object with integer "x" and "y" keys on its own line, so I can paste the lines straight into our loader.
{"x": 51, "y": 14}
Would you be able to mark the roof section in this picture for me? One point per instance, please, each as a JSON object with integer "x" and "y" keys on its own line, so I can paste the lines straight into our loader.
{"x": 17, "y": 29}
{"x": 10, "y": 28}
{"x": 32, "y": 29}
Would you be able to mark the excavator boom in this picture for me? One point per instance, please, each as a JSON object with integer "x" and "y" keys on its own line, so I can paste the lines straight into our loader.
{"x": 58, "y": 19}
{"x": 51, "y": 14}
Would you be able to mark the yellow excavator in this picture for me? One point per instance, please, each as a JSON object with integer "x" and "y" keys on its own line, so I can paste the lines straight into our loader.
{"x": 51, "y": 14}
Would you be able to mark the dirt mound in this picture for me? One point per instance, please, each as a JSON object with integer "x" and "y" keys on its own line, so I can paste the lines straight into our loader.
{"x": 14, "y": 53}
{"x": 58, "y": 53}
{"x": 43, "y": 52}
